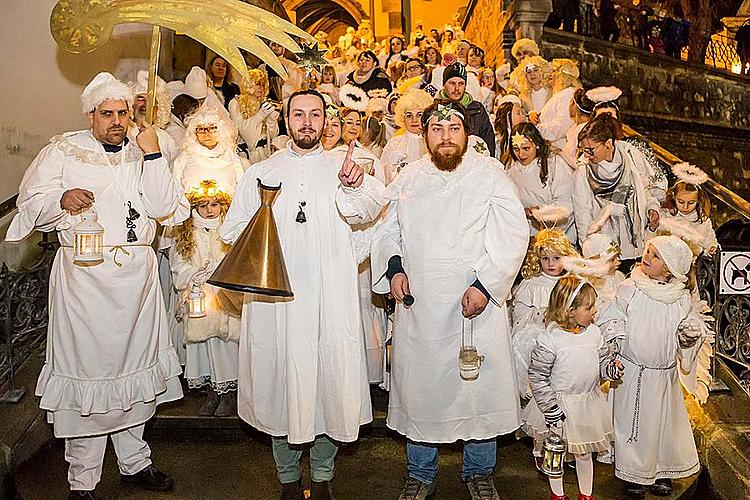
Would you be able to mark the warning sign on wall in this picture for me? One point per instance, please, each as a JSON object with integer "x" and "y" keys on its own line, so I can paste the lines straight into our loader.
{"x": 734, "y": 276}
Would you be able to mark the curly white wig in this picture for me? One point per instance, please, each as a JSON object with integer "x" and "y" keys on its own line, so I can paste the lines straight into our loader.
{"x": 206, "y": 115}
{"x": 412, "y": 100}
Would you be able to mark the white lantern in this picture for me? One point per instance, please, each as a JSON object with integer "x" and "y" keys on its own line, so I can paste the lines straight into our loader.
{"x": 196, "y": 303}
{"x": 88, "y": 239}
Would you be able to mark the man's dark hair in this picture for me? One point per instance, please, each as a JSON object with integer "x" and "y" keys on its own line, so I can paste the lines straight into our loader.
{"x": 304, "y": 92}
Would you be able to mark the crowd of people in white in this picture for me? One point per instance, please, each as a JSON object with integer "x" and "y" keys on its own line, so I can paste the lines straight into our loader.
{"x": 430, "y": 204}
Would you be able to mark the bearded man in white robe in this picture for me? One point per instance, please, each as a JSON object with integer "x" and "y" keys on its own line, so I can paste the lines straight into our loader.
{"x": 109, "y": 361}
{"x": 302, "y": 366}
{"x": 449, "y": 248}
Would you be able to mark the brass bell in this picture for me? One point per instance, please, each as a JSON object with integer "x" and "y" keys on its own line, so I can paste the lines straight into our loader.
{"x": 255, "y": 263}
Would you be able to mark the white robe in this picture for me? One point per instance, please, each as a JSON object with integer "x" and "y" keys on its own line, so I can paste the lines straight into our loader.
{"x": 653, "y": 437}
{"x": 109, "y": 361}
{"x": 400, "y": 150}
{"x": 554, "y": 118}
{"x": 302, "y": 369}
{"x": 530, "y": 301}
{"x": 556, "y": 191}
{"x": 167, "y": 144}
{"x": 197, "y": 163}
{"x": 704, "y": 235}
{"x": 451, "y": 228}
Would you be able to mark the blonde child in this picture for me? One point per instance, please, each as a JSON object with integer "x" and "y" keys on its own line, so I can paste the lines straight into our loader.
{"x": 541, "y": 270}
{"x": 212, "y": 341}
{"x": 687, "y": 208}
{"x": 664, "y": 330}
{"x": 567, "y": 364}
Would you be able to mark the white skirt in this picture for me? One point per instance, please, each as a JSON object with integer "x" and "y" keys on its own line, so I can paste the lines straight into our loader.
{"x": 587, "y": 426}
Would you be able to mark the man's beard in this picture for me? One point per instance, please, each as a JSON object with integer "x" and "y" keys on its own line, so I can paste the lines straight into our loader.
{"x": 115, "y": 136}
{"x": 448, "y": 162}
{"x": 306, "y": 141}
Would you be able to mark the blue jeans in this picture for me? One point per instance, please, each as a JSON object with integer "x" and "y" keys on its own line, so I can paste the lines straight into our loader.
{"x": 480, "y": 458}
{"x": 287, "y": 457}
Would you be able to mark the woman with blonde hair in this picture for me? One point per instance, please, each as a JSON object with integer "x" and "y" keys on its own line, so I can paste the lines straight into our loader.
{"x": 532, "y": 80}
{"x": 256, "y": 118}
{"x": 407, "y": 144}
{"x": 554, "y": 118}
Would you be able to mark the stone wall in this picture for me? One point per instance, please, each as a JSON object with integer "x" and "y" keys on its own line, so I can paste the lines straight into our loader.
{"x": 485, "y": 29}
{"x": 698, "y": 113}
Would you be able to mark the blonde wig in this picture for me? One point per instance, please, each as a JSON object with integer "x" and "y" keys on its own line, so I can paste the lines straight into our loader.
{"x": 524, "y": 45}
{"x": 569, "y": 74}
{"x": 519, "y": 75}
{"x": 564, "y": 298}
{"x": 553, "y": 240}
{"x": 226, "y": 132}
{"x": 412, "y": 100}
{"x": 247, "y": 101}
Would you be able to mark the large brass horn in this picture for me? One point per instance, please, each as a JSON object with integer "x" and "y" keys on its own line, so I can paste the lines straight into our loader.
{"x": 255, "y": 263}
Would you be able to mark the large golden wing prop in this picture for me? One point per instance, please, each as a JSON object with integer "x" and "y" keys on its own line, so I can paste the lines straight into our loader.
{"x": 224, "y": 26}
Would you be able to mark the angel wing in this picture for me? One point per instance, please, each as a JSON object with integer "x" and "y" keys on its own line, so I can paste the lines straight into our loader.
{"x": 224, "y": 26}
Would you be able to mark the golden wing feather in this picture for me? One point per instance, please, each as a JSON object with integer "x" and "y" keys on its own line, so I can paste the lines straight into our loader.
{"x": 224, "y": 26}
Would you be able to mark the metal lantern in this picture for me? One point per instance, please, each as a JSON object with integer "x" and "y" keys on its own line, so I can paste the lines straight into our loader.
{"x": 88, "y": 239}
{"x": 469, "y": 359}
{"x": 196, "y": 303}
{"x": 554, "y": 449}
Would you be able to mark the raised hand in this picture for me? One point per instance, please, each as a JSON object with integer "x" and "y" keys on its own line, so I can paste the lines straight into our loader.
{"x": 351, "y": 174}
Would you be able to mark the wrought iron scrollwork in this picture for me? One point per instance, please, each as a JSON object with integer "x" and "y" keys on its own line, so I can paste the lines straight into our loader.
{"x": 23, "y": 314}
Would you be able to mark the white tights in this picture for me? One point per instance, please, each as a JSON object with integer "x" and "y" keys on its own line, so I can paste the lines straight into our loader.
{"x": 585, "y": 473}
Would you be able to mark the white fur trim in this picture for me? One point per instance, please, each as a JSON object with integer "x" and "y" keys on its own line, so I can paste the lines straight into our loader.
{"x": 353, "y": 97}
{"x": 689, "y": 173}
{"x": 604, "y": 94}
{"x": 601, "y": 219}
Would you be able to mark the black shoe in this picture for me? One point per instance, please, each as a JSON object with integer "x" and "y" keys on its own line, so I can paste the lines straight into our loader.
{"x": 82, "y": 495}
{"x": 292, "y": 491}
{"x": 150, "y": 479}
{"x": 633, "y": 490}
{"x": 210, "y": 404}
{"x": 662, "y": 487}
{"x": 321, "y": 491}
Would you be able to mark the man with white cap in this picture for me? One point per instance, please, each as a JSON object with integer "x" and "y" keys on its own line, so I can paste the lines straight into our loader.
{"x": 162, "y": 113}
{"x": 453, "y": 236}
{"x": 109, "y": 361}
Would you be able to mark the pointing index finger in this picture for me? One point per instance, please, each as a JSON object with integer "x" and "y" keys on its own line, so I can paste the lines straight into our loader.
{"x": 348, "y": 158}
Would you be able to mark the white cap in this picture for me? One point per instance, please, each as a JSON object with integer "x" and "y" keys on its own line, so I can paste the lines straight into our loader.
{"x": 509, "y": 98}
{"x": 104, "y": 87}
{"x": 676, "y": 254}
{"x": 196, "y": 85}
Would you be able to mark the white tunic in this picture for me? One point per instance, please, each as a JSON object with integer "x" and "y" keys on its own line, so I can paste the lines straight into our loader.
{"x": 401, "y": 149}
{"x": 254, "y": 128}
{"x": 558, "y": 190}
{"x": 554, "y": 118}
{"x": 653, "y": 438}
{"x": 197, "y": 163}
{"x": 704, "y": 237}
{"x": 451, "y": 228}
{"x": 109, "y": 361}
{"x": 302, "y": 369}
{"x": 530, "y": 301}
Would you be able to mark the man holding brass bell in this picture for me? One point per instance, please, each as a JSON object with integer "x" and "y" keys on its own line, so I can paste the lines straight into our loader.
{"x": 109, "y": 359}
{"x": 451, "y": 243}
{"x": 302, "y": 367}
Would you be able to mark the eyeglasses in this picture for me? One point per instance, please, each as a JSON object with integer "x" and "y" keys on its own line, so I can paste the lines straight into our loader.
{"x": 590, "y": 151}
{"x": 206, "y": 130}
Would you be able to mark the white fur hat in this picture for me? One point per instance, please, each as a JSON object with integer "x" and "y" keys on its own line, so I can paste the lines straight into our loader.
{"x": 140, "y": 85}
{"x": 196, "y": 85}
{"x": 675, "y": 253}
{"x": 509, "y": 98}
{"x": 104, "y": 87}
{"x": 597, "y": 244}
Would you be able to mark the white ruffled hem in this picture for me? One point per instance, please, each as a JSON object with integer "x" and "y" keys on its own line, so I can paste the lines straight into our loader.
{"x": 105, "y": 395}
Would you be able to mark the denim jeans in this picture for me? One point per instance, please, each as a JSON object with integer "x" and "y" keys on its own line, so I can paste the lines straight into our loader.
{"x": 287, "y": 457}
{"x": 479, "y": 459}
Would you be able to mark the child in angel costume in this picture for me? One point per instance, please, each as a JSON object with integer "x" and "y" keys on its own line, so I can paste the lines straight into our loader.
{"x": 567, "y": 363}
{"x": 541, "y": 270}
{"x": 212, "y": 340}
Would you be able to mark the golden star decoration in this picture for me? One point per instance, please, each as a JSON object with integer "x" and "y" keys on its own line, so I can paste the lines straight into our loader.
{"x": 311, "y": 57}
{"x": 518, "y": 140}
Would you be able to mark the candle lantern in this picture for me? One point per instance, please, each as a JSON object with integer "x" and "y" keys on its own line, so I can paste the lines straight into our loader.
{"x": 469, "y": 359}
{"x": 554, "y": 449}
{"x": 88, "y": 239}
{"x": 196, "y": 303}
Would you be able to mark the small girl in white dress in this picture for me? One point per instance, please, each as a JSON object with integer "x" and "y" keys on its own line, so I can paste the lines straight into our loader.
{"x": 687, "y": 208}
{"x": 567, "y": 364}
{"x": 541, "y": 270}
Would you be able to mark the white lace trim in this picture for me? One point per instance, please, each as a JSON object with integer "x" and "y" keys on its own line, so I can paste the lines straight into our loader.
{"x": 104, "y": 395}
{"x": 217, "y": 387}
{"x": 128, "y": 154}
